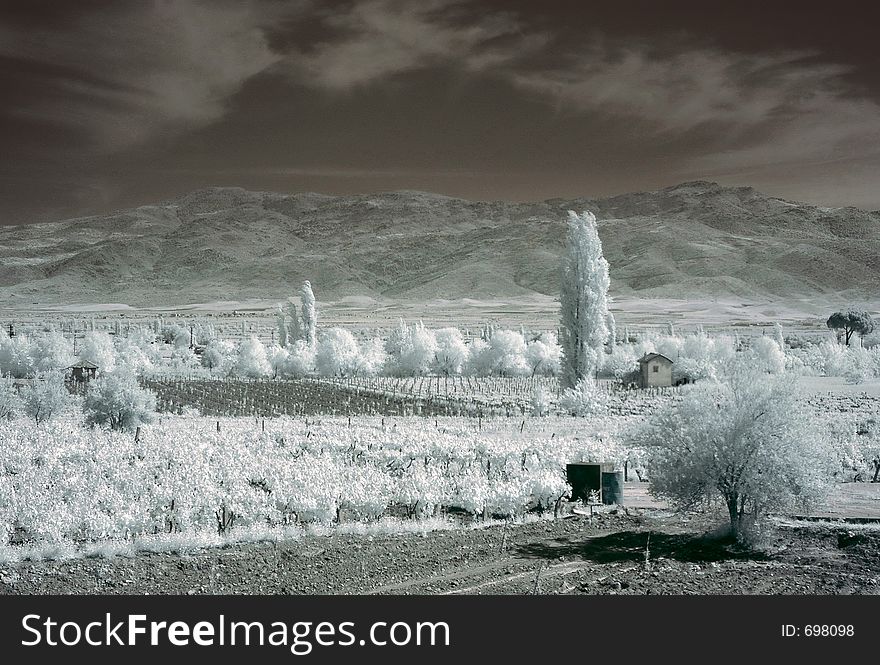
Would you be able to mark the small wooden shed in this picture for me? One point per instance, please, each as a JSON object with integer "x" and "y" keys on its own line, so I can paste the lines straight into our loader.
{"x": 655, "y": 370}
{"x": 82, "y": 371}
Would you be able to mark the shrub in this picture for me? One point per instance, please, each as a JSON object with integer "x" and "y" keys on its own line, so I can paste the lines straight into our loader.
{"x": 117, "y": 400}
{"x": 10, "y": 403}
{"x": 585, "y": 399}
{"x": 46, "y": 397}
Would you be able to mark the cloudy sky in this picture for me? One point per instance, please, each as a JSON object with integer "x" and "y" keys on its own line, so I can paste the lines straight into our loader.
{"x": 108, "y": 104}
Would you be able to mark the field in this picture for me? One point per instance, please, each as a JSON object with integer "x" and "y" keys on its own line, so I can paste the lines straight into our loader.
{"x": 423, "y": 396}
{"x": 73, "y": 487}
{"x": 386, "y": 483}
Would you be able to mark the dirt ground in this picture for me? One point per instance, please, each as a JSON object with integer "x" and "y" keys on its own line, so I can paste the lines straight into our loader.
{"x": 632, "y": 551}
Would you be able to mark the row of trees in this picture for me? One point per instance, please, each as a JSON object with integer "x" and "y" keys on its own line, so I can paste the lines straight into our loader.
{"x": 115, "y": 400}
{"x": 410, "y": 350}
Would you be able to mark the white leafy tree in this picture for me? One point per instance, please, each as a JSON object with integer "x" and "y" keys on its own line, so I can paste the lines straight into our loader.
{"x": 778, "y": 335}
{"x": 452, "y": 352}
{"x": 412, "y": 349}
{"x": 10, "y": 402}
{"x": 338, "y": 353}
{"x": 46, "y": 397}
{"x": 309, "y": 314}
{"x": 294, "y": 327}
{"x": 623, "y": 362}
{"x": 116, "y": 400}
{"x": 583, "y": 299}
{"x": 768, "y": 355}
{"x": 611, "y": 324}
{"x": 52, "y": 351}
{"x": 281, "y": 323}
{"x": 300, "y": 360}
{"x": 252, "y": 360}
{"x": 217, "y": 354}
{"x": 278, "y": 357}
{"x": 97, "y": 347}
{"x": 544, "y": 355}
{"x": 587, "y": 398}
{"x": 373, "y": 357}
{"x": 17, "y": 356}
{"x": 748, "y": 443}
{"x": 505, "y": 354}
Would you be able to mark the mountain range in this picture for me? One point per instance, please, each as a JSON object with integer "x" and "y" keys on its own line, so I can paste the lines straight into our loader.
{"x": 694, "y": 240}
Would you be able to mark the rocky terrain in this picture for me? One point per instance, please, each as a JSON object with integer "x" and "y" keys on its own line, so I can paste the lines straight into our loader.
{"x": 695, "y": 240}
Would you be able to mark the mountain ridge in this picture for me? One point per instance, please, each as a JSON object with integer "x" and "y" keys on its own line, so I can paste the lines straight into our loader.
{"x": 696, "y": 239}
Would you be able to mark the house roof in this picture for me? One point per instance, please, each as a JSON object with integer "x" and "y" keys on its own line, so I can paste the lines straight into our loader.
{"x": 83, "y": 364}
{"x": 651, "y": 356}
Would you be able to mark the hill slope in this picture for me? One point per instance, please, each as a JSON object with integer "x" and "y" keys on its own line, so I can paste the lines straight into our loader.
{"x": 693, "y": 240}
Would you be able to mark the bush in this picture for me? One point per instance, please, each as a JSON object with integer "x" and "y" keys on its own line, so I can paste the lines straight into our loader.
{"x": 10, "y": 403}
{"x": 585, "y": 399}
{"x": 118, "y": 401}
{"x": 46, "y": 397}
{"x": 542, "y": 401}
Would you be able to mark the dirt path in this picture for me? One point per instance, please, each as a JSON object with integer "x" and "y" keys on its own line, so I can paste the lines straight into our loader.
{"x": 572, "y": 555}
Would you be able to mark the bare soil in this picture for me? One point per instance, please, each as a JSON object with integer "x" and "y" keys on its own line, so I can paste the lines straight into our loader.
{"x": 633, "y": 551}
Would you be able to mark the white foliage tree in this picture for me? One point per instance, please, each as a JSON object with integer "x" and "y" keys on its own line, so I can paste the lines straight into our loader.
{"x": 504, "y": 354}
{"x": 300, "y": 359}
{"x": 132, "y": 357}
{"x": 748, "y": 443}
{"x": 52, "y": 351}
{"x": 623, "y": 362}
{"x": 587, "y": 398}
{"x": 767, "y": 355}
{"x": 218, "y": 354}
{"x": 309, "y": 314}
{"x": 10, "y": 402}
{"x": 46, "y": 397}
{"x": 281, "y": 324}
{"x": 252, "y": 360}
{"x": 182, "y": 358}
{"x": 507, "y": 354}
{"x": 412, "y": 349}
{"x": 372, "y": 358}
{"x": 583, "y": 299}
{"x": 116, "y": 400}
{"x": 294, "y": 327}
{"x": 544, "y": 355}
{"x": 611, "y": 324}
{"x": 97, "y": 347}
{"x": 17, "y": 356}
{"x": 338, "y": 353}
{"x": 278, "y": 357}
{"x": 452, "y": 352}
{"x": 778, "y": 335}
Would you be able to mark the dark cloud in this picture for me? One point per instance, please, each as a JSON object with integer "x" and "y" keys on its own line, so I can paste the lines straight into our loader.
{"x": 107, "y": 104}
{"x": 375, "y": 39}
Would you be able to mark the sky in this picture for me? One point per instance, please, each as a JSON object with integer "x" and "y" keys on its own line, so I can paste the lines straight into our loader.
{"x": 112, "y": 104}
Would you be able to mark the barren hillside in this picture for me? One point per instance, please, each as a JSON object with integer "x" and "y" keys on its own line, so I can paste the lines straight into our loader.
{"x": 695, "y": 240}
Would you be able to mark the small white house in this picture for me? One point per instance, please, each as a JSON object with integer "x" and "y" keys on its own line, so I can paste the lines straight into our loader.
{"x": 655, "y": 370}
